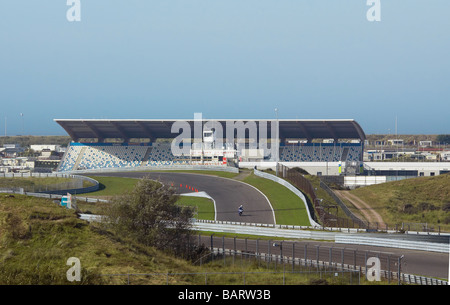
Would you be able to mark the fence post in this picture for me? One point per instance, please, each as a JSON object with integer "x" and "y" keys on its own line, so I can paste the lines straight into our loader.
{"x": 257, "y": 252}
{"x": 389, "y": 268}
{"x": 306, "y": 252}
{"x": 281, "y": 252}
{"x": 330, "y": 259}
{"x": 212, "y": 249}
{"x": 399, "y": 268}
{"x": 234, "y": 253}
{"x": 365, "y": 264}
{"x": 317, "y": 257}
{"x": 223, "y": 250}
{"x": 293, "y": 256}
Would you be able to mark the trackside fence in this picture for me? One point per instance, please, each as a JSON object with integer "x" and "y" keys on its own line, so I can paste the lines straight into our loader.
{"x": 75, "y": 185}
{"x": 284, "y": 263}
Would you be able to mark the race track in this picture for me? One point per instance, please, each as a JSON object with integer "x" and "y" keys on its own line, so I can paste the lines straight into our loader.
{"x": 228, "y": 194}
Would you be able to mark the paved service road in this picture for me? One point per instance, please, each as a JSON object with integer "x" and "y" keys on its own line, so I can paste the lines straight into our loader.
{"x": 228, "y": 194}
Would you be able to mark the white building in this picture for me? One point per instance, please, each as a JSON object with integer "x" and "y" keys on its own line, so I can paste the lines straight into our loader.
{"x": 50, "y": 147}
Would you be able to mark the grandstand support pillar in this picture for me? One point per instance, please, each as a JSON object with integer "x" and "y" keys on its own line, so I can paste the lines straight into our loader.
{"x": 147, "y": 131}
{"x": 120, "y": 130}
{"x": 95, "y": 131}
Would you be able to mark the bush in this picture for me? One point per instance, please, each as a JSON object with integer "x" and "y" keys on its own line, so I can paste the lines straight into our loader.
{"x": 446, "y": 207}
{"x": 425, "y": 206}
{"x": 446, "y": 220}
{"x": 16, "y": 228}
{"x": 318, "y": 282}
{"x": 149, "y": 215}
{"x": 408, "y": 208}
{"x": 300, "y": 170}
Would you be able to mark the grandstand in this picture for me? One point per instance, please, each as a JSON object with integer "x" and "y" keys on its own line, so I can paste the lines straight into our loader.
{"x": 90, "y": 156}
{"x": 103, "y": 144}
{"x": 320, "y": 152}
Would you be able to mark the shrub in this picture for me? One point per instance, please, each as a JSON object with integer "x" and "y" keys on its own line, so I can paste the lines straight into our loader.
{"x": 446, "y": 207}
{"x": 150, "y": 216}
{"x": 408, "y": 208}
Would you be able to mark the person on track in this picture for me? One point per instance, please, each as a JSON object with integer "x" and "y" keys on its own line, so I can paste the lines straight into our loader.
{"x": 241, "y": 210}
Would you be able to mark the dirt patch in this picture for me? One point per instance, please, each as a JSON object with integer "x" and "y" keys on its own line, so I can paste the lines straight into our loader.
{"x": 369, "y": 213}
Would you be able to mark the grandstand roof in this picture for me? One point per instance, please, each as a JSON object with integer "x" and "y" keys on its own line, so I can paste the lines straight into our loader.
{"x": 156, "y": 128}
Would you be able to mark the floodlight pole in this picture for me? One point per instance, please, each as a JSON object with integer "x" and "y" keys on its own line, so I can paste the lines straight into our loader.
{"x": 23, "y": 129}
{"x": 277, "y": 143}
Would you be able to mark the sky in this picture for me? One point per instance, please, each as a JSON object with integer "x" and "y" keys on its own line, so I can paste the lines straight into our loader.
{"x": 233, "y": 59}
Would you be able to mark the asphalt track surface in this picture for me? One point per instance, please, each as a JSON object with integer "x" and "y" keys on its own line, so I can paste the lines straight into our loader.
{"x": 228, "y": 194}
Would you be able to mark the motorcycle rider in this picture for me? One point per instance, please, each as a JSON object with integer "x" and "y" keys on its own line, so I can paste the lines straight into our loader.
{"x": 240, "y": 210}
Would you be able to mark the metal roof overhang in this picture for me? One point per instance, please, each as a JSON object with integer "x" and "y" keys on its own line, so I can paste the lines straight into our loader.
{"x": 154, "y": 128}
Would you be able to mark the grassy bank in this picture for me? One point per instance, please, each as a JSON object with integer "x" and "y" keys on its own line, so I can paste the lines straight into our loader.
{"x": 30, "y": 182}
{"x": 415, "y": 200}
{"x": 37, "y": 237}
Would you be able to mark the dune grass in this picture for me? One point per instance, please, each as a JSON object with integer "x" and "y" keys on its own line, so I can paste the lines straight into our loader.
{"x": 37, "y": 237}
{"x": 418, "y": 200}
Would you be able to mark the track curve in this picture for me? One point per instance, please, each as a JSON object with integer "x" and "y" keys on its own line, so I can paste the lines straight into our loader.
{"x": 228, "y": 194}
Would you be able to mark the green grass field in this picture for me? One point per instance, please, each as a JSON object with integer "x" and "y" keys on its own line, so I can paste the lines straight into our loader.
{"x": 112, "y": 186}
{"x": 203, "y": 207}
{"x": 289, "y": 208}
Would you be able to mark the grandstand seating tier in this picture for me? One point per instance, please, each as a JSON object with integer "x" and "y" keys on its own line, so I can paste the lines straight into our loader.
{"x": 96, "y": 156}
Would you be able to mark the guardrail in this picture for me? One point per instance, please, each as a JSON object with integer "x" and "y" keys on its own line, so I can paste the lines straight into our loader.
{"x": 393, "y": 243}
